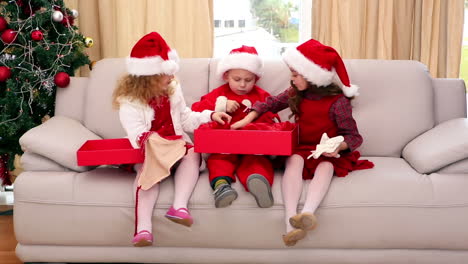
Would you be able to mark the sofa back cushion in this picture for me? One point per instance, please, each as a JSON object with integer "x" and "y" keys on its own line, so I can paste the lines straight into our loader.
{"x": 395, "y": 104}
{"x": 102, "y": 119}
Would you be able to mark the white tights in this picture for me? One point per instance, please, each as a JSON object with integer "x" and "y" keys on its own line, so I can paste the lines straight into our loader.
{"x": 185, "y": 178}
{"x": 292, "y": 187}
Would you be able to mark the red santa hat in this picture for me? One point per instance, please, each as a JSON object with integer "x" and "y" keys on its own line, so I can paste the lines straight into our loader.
{"x": 320, "y": 65}
{"x": 245, "y": 58}
{"x": 151, "y": 55}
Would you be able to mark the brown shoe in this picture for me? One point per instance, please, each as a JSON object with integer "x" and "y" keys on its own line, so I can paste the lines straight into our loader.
{"x": 305, "y": 221}
{"x": 291, "y": 238}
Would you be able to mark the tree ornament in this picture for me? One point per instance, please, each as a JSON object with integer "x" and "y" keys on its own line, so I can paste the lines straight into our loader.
{"x": 91, "y": 65}
{"x": 57, "y": 16}
{"x": 3, "y": 23}
{"x": 74, "y": 13}
{"x": 5, "y": 73}
{"x": 62, "y": 79}
{"x": 8, "y": 36}
{"x": 89, "y": 42}
{"x": 37, "y": 35}
{"x": 4, "y": 173}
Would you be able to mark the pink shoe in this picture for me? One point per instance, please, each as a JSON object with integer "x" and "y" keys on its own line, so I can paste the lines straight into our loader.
{"x": 180, "y": 216}
{"x": 142, "y": 239}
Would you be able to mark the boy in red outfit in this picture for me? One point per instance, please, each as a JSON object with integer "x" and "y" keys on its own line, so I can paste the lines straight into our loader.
{"x": 240, "y": 70}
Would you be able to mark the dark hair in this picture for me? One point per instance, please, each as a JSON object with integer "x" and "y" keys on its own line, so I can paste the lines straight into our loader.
{"x": 297, "y": 96}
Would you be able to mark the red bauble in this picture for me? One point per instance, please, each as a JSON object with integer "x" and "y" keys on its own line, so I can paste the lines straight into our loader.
{"x": 8, "y": 36}
{"x": 3, "y": 23}
{"x": 62, "y": 79}
{"x": 5, "y": 73}
{"x": 37, "y": 35}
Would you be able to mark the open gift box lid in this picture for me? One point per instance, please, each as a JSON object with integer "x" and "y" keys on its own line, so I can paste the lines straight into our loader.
{"x": 261, "y": 142}
{"x": 108, "y": 151}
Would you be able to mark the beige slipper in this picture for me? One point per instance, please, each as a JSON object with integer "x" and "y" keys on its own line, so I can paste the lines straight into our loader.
{"x": 305, "y": 221}
{"x": 291, "y": 238}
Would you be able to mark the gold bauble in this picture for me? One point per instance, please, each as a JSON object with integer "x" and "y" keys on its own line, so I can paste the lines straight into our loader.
{"x": 88, "y": 42}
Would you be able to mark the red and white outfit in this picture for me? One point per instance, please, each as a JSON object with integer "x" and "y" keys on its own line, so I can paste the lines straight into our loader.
{"x": 227, "y": 165}
{"x": 321, "y": 66}
{"x": 159, "y": 127}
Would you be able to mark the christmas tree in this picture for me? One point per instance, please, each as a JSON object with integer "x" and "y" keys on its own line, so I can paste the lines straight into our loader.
{"x": 40, "y": 49}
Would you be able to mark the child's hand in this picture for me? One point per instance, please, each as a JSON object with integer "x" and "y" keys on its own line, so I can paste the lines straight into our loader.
{"x": 232, "y": 106}
{"x": 240, "y": 124}
{"x": 221, "y": 117}
{"x": 245, "y": 121}
{"x": 343, "y": 145}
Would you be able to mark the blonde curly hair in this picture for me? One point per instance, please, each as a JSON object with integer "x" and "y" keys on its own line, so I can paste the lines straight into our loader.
{"x": 141, "y": 88}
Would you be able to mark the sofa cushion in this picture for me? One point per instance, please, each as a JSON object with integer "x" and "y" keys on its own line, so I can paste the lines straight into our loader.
{"x": 35, "y": 162}
{"x": 101, "y": 118}
{"x": 356, "y": 213}
{"x": 58, "y": 139}
{"x": 444, "y": 144}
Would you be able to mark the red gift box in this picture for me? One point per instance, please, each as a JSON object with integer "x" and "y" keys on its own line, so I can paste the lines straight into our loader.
{"x": 108, "y": 151}
{"x": 266, "y": 142}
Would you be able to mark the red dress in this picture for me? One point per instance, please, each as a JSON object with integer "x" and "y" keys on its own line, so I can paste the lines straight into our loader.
{"x": 313, "y": 122}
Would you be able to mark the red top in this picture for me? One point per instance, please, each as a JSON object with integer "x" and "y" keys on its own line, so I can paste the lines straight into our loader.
{"x": 208, "y": 102}
{"x": 340, "y": 112}
{"x": 314, "y": 120}
{"x": 162, "y": 122}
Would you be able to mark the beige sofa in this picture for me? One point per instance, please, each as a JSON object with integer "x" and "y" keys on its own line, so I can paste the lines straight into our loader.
{"x": 411, "y": 208}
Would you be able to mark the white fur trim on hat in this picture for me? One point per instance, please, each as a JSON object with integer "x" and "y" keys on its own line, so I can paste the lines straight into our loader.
{"x": 153, "y": 65}
{"x": 307, "y": 68}
{"x": 350, "y": 91}
{"x": 241, "y": 60}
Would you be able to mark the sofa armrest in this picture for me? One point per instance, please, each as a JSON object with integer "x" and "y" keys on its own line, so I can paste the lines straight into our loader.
{"x": 442, "y": 145}
{"x": 35, "y": 162}
{"x": 459, "y": 167}
{"x": 450, "y": 99}
{"x": 58, "y": 139}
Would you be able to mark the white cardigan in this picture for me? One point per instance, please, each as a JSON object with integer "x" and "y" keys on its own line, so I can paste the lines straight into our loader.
{"x": 136, "y": 117}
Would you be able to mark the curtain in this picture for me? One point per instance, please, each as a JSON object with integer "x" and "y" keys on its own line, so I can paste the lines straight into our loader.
{"x": 116, "y": 25}
{"x": 429, "y": 31}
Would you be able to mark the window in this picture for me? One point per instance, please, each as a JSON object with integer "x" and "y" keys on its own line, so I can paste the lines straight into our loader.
{"x": 229, "y": 23}
{"x": 270, "y": 26}
{"x": 217, "y": 23}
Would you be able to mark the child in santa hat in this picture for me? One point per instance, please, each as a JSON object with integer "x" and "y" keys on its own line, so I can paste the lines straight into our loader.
{"x": 240, "y": 70}
{"x": 319, "y": 98}
{"x": 152, "y": 111}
